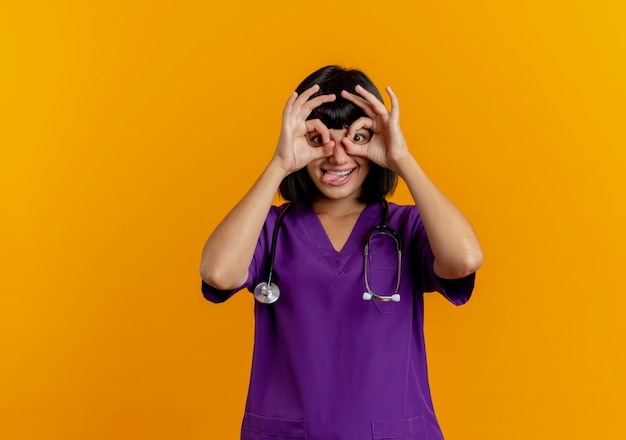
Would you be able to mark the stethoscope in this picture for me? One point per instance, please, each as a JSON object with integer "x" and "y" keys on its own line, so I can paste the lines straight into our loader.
{"x": 268, "y": 292}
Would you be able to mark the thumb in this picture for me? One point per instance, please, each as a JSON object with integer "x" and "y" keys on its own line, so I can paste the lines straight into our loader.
{"x": 325, "y": 150}
{"x": 354, "y": 149}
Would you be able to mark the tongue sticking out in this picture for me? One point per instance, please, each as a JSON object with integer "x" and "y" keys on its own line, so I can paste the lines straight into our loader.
{"x": 335, "y": 177}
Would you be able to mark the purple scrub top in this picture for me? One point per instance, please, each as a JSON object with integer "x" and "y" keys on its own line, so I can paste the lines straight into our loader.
{"x": 326, "y": 364}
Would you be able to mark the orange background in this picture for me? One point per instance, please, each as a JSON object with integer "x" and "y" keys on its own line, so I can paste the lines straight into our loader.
{"x": 128, "y": 129}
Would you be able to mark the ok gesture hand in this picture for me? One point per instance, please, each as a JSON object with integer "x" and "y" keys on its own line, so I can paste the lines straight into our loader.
{"x": 294, "y": 151}
{"x": 387, "y": 147}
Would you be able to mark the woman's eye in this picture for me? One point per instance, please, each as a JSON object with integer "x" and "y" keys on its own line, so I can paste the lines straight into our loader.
{"x": 361, "y": 138}
{"x": 314, "y": 140}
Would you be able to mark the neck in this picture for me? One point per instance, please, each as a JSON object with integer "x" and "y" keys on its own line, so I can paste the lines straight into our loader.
{"x": 338, "y": 208}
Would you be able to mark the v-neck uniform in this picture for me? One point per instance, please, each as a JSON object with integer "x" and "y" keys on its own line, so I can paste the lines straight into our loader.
{"x": 327, "y": 364}
{"x": 314, "y": 229}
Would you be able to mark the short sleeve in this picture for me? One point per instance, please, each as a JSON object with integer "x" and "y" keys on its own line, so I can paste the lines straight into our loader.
{"x": 257, "y": 268}
{"x": 219, "y": 296}
{"x": 457, "y": 291}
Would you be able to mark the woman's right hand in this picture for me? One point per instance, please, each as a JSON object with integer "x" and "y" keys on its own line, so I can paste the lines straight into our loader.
{"x": 230, "y": 247}
{"x": 295, "y": 148}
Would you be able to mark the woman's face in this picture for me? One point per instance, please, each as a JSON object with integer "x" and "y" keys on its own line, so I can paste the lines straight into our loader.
{"x": 340, "y": 175}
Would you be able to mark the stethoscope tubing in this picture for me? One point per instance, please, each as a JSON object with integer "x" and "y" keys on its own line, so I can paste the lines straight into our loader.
{"x": 279, "y": 221}
{"x": 267, "y": 292}
{"x": 385, "y": 230}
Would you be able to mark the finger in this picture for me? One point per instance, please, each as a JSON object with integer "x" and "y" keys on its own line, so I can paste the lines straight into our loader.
{"x": 328, "y": 148}
{"x": 325, "y": 150}
{"x": 290, "y": 102}
{"x": 304, "y": 96}
{"x": 395, "y": 104}
{"x": 359, "y": 102}
{"x": 308, "y": 106}
{"x": 354, "y": 149}
{"x": 376, "y": 104}
{"x": 316, "y": 126}
{"x": 362, "y": 122}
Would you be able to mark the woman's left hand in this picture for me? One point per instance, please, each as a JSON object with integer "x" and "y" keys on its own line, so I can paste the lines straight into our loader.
{"x": 387, "y": 147}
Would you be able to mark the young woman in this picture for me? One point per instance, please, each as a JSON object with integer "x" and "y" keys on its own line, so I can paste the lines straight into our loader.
{"x": 340, "y": 354}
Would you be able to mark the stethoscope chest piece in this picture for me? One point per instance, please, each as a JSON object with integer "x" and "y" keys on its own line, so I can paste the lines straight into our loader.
{"x": 266, "y": 293}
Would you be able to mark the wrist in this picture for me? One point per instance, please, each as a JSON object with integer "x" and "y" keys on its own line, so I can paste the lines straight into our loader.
{"x": 276, "y": 167}
{"x": 405, "y": 166}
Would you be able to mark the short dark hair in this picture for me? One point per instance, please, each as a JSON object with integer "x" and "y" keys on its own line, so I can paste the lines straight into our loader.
{"x": 340, "y": 113}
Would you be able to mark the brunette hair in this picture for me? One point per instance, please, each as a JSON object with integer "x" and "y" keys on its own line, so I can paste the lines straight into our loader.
{"x": 340, "y": 113}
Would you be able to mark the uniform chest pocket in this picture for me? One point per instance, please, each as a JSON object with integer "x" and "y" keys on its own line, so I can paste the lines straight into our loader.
{"x": 256, "y": 427}
{"x": 413, "y": 428}
{"x": 383, "y": 282}
{"x": 383, "y": 275}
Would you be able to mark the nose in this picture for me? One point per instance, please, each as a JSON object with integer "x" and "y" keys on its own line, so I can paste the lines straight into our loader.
{"x": 339, "y": 155}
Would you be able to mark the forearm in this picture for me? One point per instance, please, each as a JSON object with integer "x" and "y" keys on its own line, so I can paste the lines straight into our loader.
{"x": 452, "y": 239}
{"x": 229, "y": 249}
